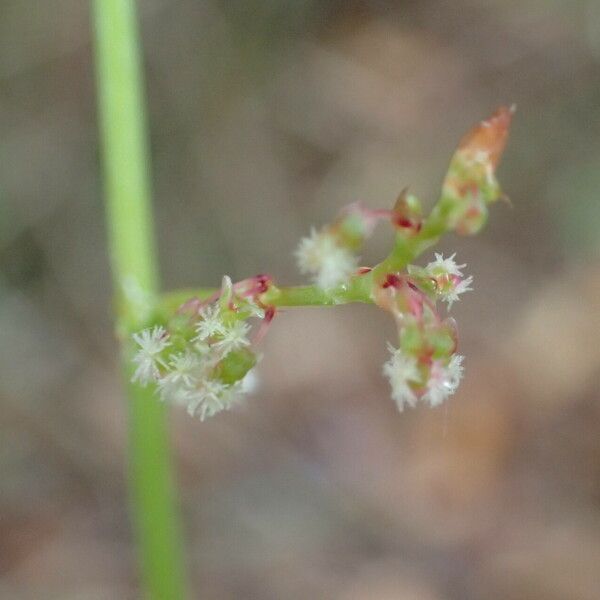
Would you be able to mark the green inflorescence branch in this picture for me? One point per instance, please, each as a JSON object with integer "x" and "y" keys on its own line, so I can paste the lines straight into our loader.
{"x": 201, "y": 346}
{"x": 358, "y": 288}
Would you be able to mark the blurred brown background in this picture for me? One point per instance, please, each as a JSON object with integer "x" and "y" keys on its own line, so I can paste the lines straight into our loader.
{"x": 266, "y": 117}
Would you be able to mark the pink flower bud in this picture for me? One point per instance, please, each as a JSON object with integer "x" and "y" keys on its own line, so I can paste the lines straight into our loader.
{"x": 407, "y": 214}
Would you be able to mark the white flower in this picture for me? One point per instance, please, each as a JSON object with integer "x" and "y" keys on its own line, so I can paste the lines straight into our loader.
{"x": 213, "y": 397}
{"x": 452, "y": 294}
{"x": 210, "y": 323}
{"x": 401, "y": 369}
{"x": 449, "y": 278}
{"x": 233, "y": 338}
{"x": 183, "y": 372}
{"x": 321, "y": 256}
{"x": 177, "y": 395}
{"x": 443, "y": 380}
{"x": 151, "y": 343}
{"x": 444, "y": 266}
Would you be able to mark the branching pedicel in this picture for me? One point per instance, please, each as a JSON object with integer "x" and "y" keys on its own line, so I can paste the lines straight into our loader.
{"x": 201, "y": 354}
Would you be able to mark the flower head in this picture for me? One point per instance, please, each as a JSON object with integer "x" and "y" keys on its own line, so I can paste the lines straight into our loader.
{"x": 233, "y": 337}
{"x": 401, "y": 370}
{"x": 444, "y": 266}
{"x": 321, "y": 255}
{"x": 208, "y": 371}
{"x": 443, "y": 380}
{"x": 457, "y": 288}
{"x": 213, "y": 397}
{"x": 448, "y": 277}
{"x": 184, "y": 369}
{"x": 151, "y": 343}
{"x": 210, "y": 323}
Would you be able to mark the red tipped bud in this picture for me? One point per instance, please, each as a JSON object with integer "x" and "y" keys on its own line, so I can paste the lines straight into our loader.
{"x": 407, "y": 214}
{"x": 488, "y": 137}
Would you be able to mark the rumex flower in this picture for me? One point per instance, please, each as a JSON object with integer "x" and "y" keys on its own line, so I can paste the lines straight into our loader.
{"x": 443, "y": 380}
{"x": 449, "y": 279}
{"x": 211, "y": 354}
{"x": 212, "y": 397}
{"x": 183, "y": 371}
{"x": 233, "y": 337}
{"x": 151, "y": 343}
{"x": 322, "y": 256}
{"x": 403, "y": 374}
{"x": 210, "y": 323}
{"x": 402, "y": 371}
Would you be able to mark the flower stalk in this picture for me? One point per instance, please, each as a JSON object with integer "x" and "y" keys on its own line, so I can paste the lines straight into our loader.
{"x": 135, "y": 278}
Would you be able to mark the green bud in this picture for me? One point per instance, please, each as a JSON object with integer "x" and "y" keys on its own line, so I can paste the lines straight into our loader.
{"x": 407, "y": 214}
{"x": 352, "y": 230}
{"x": 411, "y": 340}
{"x": 235, "y": 366}
{"x": 442, "y": 341}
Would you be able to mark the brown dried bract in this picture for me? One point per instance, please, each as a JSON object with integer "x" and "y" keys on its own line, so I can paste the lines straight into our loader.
{"x": 489, "y": 136}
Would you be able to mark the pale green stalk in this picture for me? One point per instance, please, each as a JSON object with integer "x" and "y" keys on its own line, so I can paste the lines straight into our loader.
{"x": 133, "y": 260}
{"x": 358, "y": 289}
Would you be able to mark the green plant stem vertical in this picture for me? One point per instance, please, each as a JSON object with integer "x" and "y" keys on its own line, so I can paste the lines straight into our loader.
{"x": 133, "y": 259}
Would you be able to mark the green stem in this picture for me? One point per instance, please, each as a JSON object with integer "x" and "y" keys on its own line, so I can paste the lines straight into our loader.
{"x": 358, "y": 289}
{"x": 133, "y": 260}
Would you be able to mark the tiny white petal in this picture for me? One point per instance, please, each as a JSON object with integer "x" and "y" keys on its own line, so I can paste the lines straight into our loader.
{"x": 233, "y": 338}
{"x": 210, "y": 323}
{"x": 401, "y": 369}
{"x": 151, "y": 343}
{"x": 443, "y": 381}
{"x": 146, "y": 370}
{"x": 184, "y": 370}
{"x": 444, "y": 266}
{"x": 454, "y": 372}
{"x": 213, "y": 397}
{"x": 452, "y": 295}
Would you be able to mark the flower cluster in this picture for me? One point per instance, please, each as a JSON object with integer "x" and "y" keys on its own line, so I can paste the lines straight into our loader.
{"x": 203, "y": 356}
{"x": 203, "y": 361}
{"x": 329, "y": 255}
{"x": 425, "y": 366}
{"x": 445, "y": 276}
{"x": 323, "y": 255}
{"x": 409, "y": 385}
